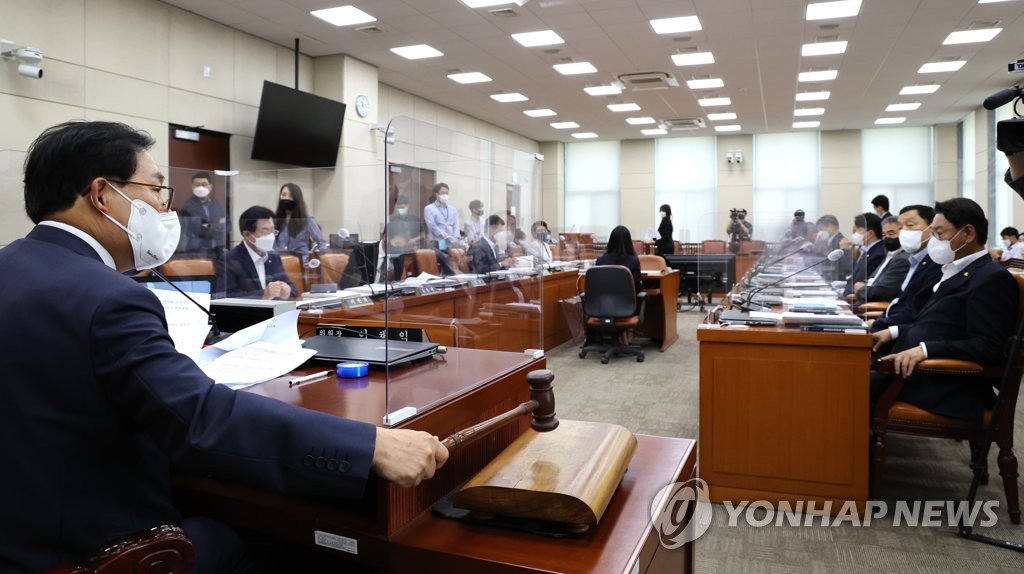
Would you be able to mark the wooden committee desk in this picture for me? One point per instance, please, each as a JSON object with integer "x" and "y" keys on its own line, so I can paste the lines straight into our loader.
{"x": 390, "y": 529}
{"x": 504, "y": 315}
{"x": 784, "y": 415}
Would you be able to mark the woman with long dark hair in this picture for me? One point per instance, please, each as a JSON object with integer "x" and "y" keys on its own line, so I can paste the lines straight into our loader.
{"x": 297, "y": 228}
{"x": 665, "y": 245}
{"x": 620, "y": 252}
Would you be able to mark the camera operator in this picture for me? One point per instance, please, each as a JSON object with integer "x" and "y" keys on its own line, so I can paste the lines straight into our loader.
{"x": 739, "y": 227}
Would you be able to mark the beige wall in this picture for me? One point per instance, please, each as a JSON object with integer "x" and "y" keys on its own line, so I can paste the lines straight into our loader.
{"x": 154, "y": 76}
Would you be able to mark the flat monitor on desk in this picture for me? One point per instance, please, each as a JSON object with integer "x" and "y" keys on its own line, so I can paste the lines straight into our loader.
{"x": 714, "y": 273}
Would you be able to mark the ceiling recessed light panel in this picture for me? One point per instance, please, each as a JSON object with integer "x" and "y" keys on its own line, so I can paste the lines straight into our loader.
{"x": 936, "y": 67}
{"x": 573, "y": 68}
{"x": 538, "y": 38}
{"x": 809, "y": 112}
{"x": 705, "y": 83}
{"x": 713, "y": 102}
{"x": 469, "y": 77}
{"x": 584, "y": 135}
{"x": 640, "y": 121}
{"x": 807, "y": 124}
{"x": 693, "y": 59}
{"x": 540, "y": 113}
{"x": 912, "y": 90}
{"x": 654, "y": 132}
{"x": 888, "y": 121}
{"x": 812, "y": 96}
{"x": 907, "y": 107}
{"x": 823, "y": 48}
{"x": 728, "y": 128}
{"x": 829, "y": 10}
{"x": 505, "y": 98}
{"x": 675, "y": 25}
{"x": 417, "y": 52}
{"x": 720, "y": 117}
{"x": 817, "y": 76}
{"x": 609, "y": 90}
{"x": 971, "y": 36}
{"x": 565, "y": 125}
{"x": 343, "y": 16}
{"x": 629, "y": 107}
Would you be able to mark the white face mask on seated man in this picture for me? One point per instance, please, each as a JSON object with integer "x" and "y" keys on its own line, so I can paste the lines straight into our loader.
{"x": 153, "y": 234}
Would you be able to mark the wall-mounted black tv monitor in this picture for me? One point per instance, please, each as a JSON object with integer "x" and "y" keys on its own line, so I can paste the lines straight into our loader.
{"x": 297, "y": 128}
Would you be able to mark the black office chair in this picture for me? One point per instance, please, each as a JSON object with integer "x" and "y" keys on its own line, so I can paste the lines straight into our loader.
{"x": 611, "y": 306}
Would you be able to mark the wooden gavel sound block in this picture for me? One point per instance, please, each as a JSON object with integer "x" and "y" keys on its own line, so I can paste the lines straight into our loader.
{"x": 567, "y": 475}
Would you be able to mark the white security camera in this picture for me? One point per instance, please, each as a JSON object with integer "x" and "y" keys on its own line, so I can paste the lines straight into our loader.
{"x": 30, "y": 71}
{"x": 729, "y": 157}
{"x": 738, "y": 157}
{"x": 29, "y": 55}
{"x": 538, "y": 156}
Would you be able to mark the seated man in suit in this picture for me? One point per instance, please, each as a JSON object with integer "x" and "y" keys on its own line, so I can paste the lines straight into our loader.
{"x": 885, "y": 283}
{"x": 866, "y": 248}
{"x": 94, "y": 441}
{"x": 251, "y": 268}
{"x": 827, "y": 240}
{"x": 970, "y": 316}
{"x": 923, "y": 274}
{"x": 488, "y": 253}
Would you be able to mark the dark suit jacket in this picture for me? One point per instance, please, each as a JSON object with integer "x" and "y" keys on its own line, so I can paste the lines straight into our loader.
{"x": 194, "y": 237}
{"x": 665, "y": 245}
{"x": 866, "y": 265}
{"x": 886, "y": 285}
{"x": 838, "y": 270}
{"x": 96, "y": 406}
{"x": 971, "y": 316}
{"x": 913, "y": 297}
{"x": 236, "y": 273}
{"x": 482, "y": 258}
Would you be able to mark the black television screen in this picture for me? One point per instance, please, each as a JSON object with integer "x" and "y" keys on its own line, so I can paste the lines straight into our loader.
{"x": 297, "y": 128}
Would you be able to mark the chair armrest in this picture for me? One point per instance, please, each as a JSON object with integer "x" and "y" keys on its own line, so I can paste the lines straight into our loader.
{"x": 166, "y": 547}
{"x": 874, "y": 306}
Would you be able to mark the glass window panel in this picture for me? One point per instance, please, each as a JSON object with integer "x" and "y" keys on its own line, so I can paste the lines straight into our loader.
{"x": 787, "y": 177}
{"x": 897, "y": 162}
{"x": 592, "y": 187}
{"x": 684, "y": 177}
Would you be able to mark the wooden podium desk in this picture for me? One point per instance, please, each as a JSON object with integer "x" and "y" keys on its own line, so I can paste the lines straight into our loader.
{"x": 663, "y": 299}
{"x": 623, "y": 542}
{"x": 467, "y": 386}
{"x": 503, "y": 315}
{"x": 784, "y": 415}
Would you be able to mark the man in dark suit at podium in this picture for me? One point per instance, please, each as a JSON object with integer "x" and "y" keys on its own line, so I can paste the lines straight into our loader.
{"x": 970, "y": 316}
{"x": 97, "y": 406}
{"x": 252, "y": 268}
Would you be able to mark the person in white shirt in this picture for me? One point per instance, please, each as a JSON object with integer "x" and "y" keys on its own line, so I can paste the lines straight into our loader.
{"x": 474, "y": 227}
{"x": 1013, "y": 247}
{"x": 538, "y": 246}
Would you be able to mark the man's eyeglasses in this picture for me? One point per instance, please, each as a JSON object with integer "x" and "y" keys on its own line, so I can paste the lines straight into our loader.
{"x": 165, "y": 192}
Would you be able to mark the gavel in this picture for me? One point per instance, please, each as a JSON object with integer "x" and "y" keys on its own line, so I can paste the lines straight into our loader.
{"x": 541, "y": 404}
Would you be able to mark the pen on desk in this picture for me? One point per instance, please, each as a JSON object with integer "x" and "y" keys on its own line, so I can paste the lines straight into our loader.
{"x": 307, "y": 378}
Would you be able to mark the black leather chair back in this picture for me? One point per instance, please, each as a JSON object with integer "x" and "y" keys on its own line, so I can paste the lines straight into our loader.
{"x": 610, "y": 292}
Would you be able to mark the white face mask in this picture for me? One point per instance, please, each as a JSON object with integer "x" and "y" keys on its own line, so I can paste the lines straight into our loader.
{"x": 403, "y": 210}
{"x": 153, "y": 235}
{"x": 265, "y": 243}
{"x": 200, "y": 191}
{"x": 662, "y": 213}
{"x": 941, "y": 252}
{"x": 857, "y": 238}
{"x": 1006, "y": 243}
{"x": 443, "y": 198}
{"x": 822, "y": 235}
{"x": 910, "y": 240}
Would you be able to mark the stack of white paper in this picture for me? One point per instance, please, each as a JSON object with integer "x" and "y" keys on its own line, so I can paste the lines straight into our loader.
{"x": 257, "y": 353}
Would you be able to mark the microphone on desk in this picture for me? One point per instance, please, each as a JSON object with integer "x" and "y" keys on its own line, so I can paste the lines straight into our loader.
{"x": 316, "y": 264}
{"x": 803, "y": 247}
{"x": 215, "y": 335}
{"x": 833, "y": 256}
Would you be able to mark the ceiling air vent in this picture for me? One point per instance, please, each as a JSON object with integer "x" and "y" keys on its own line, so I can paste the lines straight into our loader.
{"x": 648, "y": 81}
{"x": 683, "y": 124}
{"x": 370, "y": 30}
{"x": 503, "y": 13}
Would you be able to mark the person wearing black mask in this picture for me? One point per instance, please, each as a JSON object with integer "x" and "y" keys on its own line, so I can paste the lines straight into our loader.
{"x": 884, "y": 284}
{"x": 297, "y": 228}
{"x": 665, "y": 244}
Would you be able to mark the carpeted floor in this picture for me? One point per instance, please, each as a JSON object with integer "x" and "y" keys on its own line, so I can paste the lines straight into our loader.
{"x": 660, "y": 397}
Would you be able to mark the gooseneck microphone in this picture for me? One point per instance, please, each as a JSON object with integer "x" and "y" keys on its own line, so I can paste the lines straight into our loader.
{"x": 215, "y": 334}
{"x": 833, "y": 256}
{"x": 1002, "y": 97}
{"x": 804, "y": 246}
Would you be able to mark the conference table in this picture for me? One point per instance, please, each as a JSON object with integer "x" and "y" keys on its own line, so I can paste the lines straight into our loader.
{"x": 784, "y": 415}
{"x": 391, "y": 529}
{"x": 512, "y": 314}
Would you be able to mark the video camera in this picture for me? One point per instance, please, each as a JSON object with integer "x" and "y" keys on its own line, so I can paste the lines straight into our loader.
{"x": 737, "y": 213}
{"x": 1010, "y": 132}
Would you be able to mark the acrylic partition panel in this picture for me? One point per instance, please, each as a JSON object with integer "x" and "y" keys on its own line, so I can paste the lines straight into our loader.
{"x": 472, "y": 271}
{"x": 16, "y": 223}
